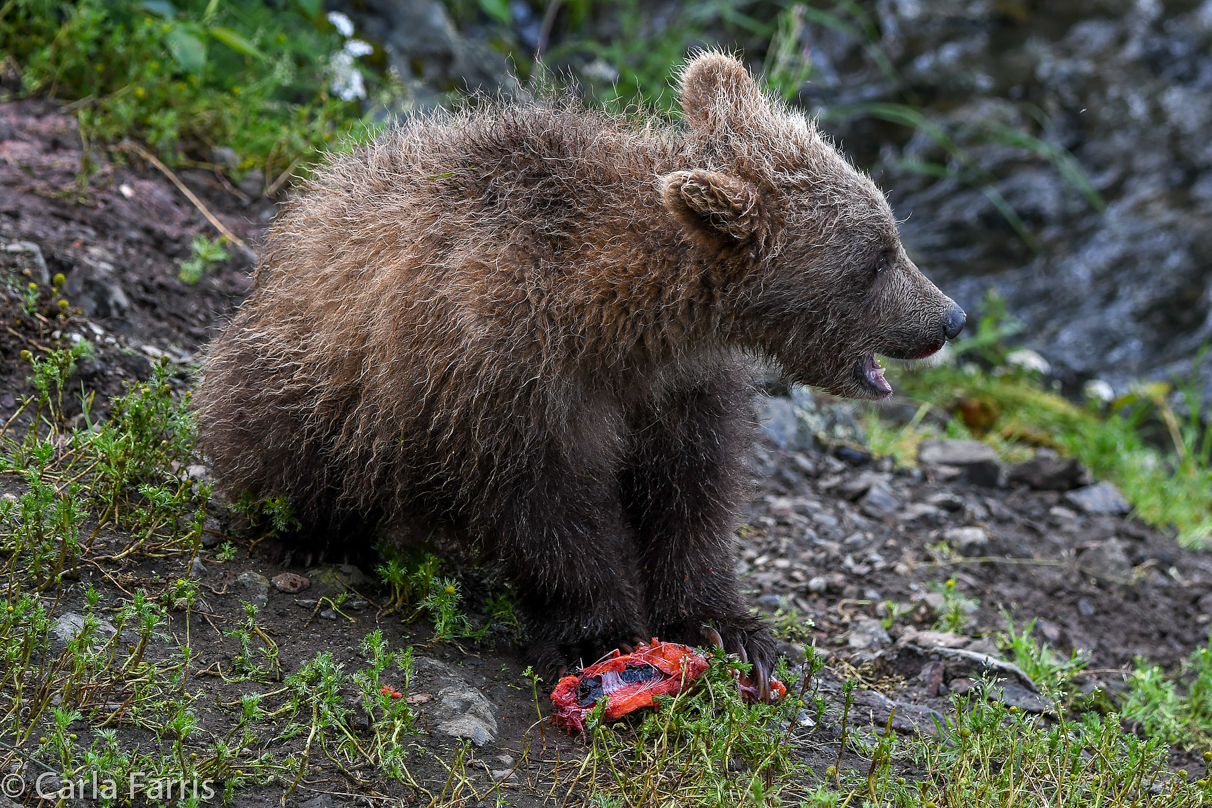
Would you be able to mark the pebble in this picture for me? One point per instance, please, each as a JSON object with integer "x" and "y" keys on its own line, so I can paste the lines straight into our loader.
{"x": 69, "y": 626}
{"x": 255, "y": 587}
{"x": 1099, "y": 499}
{"x": 291, "y": 583}
{"x": 879, "y": 501}
{"x": 968, "y": 541}
{"x": 1108, "y": 559}
{"x": 977, "y": 461}
{"x": 868, "y": 633}
{"x": 197, "y": 570}
{"x": 1084, "y": 608}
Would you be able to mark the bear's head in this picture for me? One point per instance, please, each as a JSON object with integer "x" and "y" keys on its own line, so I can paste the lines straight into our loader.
{"x": 803, "y": 246}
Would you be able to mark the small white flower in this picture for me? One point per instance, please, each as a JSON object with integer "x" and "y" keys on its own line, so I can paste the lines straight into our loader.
{"x": 356, "y": 48}
{"x": 1098, "y": 390}
{"x": 347, "y": 82}
{"x": 1028, "y": 359}
{"x": 341, "y": 22}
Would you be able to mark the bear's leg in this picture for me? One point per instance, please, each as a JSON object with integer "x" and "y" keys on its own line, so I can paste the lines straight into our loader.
{"x": 681, "y": 489}
{"x": 561, "y": 534}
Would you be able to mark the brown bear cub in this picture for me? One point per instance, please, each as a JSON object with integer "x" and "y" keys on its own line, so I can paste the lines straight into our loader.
{"x": 532, "y": 323}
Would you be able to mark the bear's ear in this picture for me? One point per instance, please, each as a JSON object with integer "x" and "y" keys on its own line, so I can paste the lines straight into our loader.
{"x": 727, "y": 207}
{"x": 717, "y": 91}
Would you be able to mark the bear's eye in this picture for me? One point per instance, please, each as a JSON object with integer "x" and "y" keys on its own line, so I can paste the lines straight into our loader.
{"x": 882, "y": 263}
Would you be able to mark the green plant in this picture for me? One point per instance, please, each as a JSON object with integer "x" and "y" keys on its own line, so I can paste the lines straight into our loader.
{"x": 189, "y": 75}
{"x": 1155, "y": 702}
{"x": 956, "y": 609}
{"x": 442, "y": 605}
{"x": 1037, "y": 660}
{"x": 206, "y": 253}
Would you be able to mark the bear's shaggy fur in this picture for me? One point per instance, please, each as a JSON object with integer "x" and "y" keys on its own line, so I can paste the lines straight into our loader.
{"x": 529, "y": 322}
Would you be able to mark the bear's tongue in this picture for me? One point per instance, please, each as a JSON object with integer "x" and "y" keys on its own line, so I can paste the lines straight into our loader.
{"x": 875, "y": 374}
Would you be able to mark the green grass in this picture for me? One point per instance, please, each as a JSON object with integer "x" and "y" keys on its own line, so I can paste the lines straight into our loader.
{"x": 188, "y": 76}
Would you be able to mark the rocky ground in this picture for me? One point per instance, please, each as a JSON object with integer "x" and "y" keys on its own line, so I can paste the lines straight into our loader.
{"x": 844, "y": 552}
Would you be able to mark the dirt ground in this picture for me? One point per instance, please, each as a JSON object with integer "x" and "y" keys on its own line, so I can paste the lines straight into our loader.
{"x": 832, "y": 534}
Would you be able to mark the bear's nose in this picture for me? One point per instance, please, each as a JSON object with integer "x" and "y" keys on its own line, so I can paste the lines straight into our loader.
{"x": 955, "y": 322}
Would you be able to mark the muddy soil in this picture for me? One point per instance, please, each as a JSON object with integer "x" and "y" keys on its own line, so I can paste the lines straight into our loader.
{"x": 831, "y": 533}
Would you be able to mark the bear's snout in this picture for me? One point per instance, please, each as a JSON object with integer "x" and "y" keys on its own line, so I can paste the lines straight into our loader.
{"x": 954, "y": 323}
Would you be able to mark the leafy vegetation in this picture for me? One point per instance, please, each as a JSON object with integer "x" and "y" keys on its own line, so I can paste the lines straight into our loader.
{"x": 189, "y": 76}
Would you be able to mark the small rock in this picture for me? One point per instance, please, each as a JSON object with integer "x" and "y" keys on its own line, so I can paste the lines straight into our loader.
{"x": 793, "y": 652}
{"x": 328, "y": 614}
{"x": 1049, "y": 473}
{"x": 977, "y": 461}
{"x": 1099, "y": 499}
{"x": 471, "y": 714}
{"x": 197, "y": 570}
{"x": 256, "y": 588}
{"x": 778, "y": 422}
{"x": 961, "y": 685}
{"x": 868, "y": 633}
{"x": 879, "y": 501}
{"x": 968, "y": 541}
{"x": 1084, "y": 608}
{"x": 817, "y": 585}
{"x": 69, "y": 626}
{"x": 291, "y": 583}
{"x": 253, "y": 183}
{"x": 947, "y": 501}
{"x": 39, "y": 270}
{"x": 855, "y": 487}
{"x": 932, "y": 677}
{"x": 321, "y": 801}
{"x": 1109, "y": 560}
{"x": 921, "y": 513}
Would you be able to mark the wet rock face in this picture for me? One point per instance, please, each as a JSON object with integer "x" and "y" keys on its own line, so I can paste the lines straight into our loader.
{"x": 1126, "y": 87}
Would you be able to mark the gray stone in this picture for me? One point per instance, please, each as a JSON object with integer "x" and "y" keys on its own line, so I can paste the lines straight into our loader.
{"x": 92, "y": 286}
{"x": 976, "y": 461}
{"x": 1100, "y": 499}
{"x": 69, "y": 626}
{"x": 254, "y": 587}
{"x": 818, "y": 585}
{"x": 879, "y": 501}
{"x": 197, "y": 570}
{"x": 867, "y": 634}
{"x": 778, "y": 422}
{"x": 320, "y": 801}
{"x": 968, "y": 541}
{"x": 1049, "y": 473}
{"x": 464, "y": 712}
{"x": 1107, "y": 559}
{"x": 36, "y": 262}
{"x": 1084, "y": 608}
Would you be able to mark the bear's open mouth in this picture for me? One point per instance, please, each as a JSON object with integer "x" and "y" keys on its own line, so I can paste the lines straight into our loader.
{"x": 872, "y": 374}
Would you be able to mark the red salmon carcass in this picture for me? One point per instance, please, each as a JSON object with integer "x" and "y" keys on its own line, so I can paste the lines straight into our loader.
{"x": 631, "y": 681}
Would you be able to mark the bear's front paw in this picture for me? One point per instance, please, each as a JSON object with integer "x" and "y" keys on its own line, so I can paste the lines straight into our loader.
{"x": 750, "y": 639}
